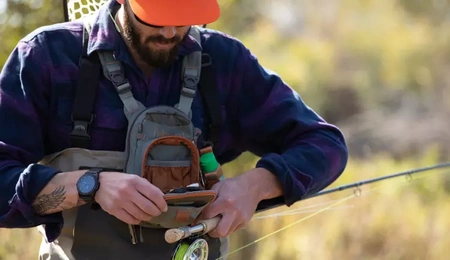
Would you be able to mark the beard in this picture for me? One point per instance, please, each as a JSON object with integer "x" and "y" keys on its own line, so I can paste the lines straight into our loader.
{"x": 153, "y": 57}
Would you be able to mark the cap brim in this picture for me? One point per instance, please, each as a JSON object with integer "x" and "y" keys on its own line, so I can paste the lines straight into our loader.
{"x": 176, "y": 13}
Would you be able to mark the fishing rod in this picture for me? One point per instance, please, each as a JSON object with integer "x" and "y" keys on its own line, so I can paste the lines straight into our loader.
{"x": 197, "y": 249}
{"x": 369, "y": 181}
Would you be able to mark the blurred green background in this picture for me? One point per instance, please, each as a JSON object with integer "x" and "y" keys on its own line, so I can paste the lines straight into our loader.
{"x": 377, "y": 69}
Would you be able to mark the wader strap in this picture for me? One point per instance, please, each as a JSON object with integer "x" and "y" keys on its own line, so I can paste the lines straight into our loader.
{"x": 85, "y": 94}
{"x": 192, "y": 65}
{"x": 211, "y": 99}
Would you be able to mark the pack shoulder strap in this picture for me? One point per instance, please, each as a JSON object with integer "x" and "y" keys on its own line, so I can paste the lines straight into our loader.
{"x": 190, "y": 74}
{"x": 85, "y": 95}
{"x": 113, "y": 70}
{"x": 198, "y": 70}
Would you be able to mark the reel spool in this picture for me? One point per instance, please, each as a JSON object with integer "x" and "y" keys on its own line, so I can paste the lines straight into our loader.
{"x": 197, "y": 250}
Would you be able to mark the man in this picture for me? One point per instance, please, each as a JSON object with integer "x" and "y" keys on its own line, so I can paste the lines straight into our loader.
{"x": 300, "y": 153}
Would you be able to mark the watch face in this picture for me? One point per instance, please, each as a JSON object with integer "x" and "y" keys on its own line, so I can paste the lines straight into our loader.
{"x": 86, "y": 184}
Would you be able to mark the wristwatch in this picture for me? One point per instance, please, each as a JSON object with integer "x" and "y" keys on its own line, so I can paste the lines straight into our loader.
{"x": 88, "y": 184}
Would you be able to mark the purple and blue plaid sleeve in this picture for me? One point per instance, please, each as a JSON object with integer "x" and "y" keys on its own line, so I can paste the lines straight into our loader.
{"x": 22, "y": 102}
{"x": 306, "y": 153}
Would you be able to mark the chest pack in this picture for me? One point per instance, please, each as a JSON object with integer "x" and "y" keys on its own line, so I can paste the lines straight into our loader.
{"x": 162, "y": 144}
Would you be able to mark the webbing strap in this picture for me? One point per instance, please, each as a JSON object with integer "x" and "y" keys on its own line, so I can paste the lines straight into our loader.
{"x": 85, "y": 94}
{"x": 114, "y": 71}
{"x": 191, "y": 70}
{"x": 211, "y": 98}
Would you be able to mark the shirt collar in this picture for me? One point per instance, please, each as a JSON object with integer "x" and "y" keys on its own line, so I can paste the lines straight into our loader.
{"x": 105, "y": 36}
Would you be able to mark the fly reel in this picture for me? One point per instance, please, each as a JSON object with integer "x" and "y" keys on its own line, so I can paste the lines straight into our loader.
{"x": 188, "y": 250}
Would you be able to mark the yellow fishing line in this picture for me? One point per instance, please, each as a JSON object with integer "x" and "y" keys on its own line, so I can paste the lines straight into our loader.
{"x": 357, "y": 193}
{"x": 181, "y": 251}
{"x": 290, "y": 225}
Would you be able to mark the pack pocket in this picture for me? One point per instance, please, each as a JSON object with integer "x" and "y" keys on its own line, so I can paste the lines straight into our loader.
{"x": 175, "y": 216}
{"x": 160, "y": 168}
{"x": 183, "y": 209}
{"x": 164, "y": 123}
{"x": 168, "y": 174}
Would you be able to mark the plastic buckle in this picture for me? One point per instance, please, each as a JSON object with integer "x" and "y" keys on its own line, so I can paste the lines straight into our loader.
{"x": 190, "y": 78}
{"x": 188, "y": 92}
{"x": 80, "y": 128}
{"x": 115, "y": 73}
{"x": 122, "y": 88}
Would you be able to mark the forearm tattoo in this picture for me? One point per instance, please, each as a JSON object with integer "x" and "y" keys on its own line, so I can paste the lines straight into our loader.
{"x": 46, "y": 202}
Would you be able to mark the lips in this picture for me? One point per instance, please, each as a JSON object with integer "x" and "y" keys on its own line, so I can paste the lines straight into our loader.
{"x": 163, "y": 45}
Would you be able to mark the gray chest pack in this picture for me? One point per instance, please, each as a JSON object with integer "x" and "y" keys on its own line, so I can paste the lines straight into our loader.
{"x": 162, "y": 144}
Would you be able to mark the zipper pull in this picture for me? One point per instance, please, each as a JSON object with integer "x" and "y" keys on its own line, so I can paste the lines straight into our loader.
{"x": 140, "y": 234}
{"x": 133, "y": 234}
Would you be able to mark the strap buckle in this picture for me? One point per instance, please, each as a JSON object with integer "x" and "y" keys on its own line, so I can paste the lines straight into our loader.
{"x": 80, "y": 128}
{"x": 188, "y": 92}
{"x": 123, "y": 88}
{"x": 191, "y": 77}
{"x": 115, "y": 73}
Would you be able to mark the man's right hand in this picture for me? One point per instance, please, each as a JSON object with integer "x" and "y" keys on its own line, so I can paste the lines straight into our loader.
{"x": 129, "y": 197}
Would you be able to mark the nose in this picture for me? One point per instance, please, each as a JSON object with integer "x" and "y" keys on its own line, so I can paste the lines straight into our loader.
{"x": 168, "y": 31}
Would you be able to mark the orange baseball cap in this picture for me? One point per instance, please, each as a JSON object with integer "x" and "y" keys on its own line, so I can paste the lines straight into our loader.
{"x": 176, "y": 12}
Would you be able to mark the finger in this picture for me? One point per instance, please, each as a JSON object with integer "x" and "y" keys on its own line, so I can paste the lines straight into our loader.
{"x": 239, "y": 227}
{"x": 236, "y": 222}
{"x": 136, "y": 212}
{"x": 126, "y": 217}
{"x": 223, "y": 228}
{"x": 152, "y": 193}
{"x": 216, "y": 186}
{"x": 205, "y": 214}
{"x": 146, "y": 205}
{"x": 212, "y": 209}
{"x": 239, "y": 222}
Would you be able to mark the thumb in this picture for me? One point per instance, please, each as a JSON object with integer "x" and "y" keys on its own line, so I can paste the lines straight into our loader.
{"x": 212, "y": 209}
{"x": 209, "y": 212}
{"x": 216, "y": 187}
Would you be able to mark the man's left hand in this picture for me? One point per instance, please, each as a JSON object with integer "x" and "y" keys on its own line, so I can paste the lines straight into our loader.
{"x": 234, "y": 203}
{"x": 237, "y": 200}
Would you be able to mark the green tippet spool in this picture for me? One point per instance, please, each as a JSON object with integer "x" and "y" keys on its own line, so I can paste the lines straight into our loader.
{"x": 208, "y": 162}
{"x": 197, "y": 250}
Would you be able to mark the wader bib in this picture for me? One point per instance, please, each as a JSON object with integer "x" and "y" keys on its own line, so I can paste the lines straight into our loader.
{"x": 162, "y": 146}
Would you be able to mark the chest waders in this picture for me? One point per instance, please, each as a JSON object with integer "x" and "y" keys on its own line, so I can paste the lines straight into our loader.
{"x": 162, "y": 146}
